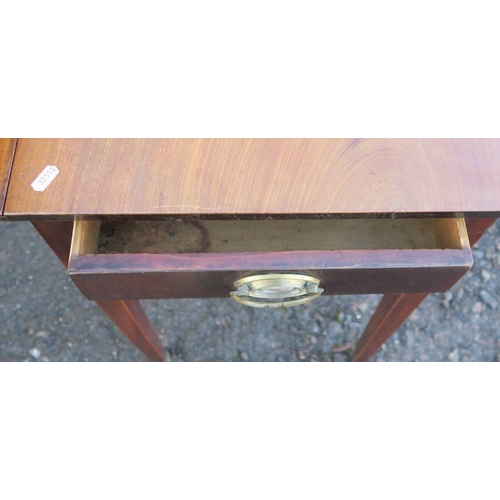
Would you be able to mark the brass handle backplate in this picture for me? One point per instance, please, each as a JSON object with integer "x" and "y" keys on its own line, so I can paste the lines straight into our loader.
{"x": 276, "y": 290}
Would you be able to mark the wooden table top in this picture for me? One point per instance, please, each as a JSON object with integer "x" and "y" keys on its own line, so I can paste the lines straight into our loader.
{"x": 252, "y": 176}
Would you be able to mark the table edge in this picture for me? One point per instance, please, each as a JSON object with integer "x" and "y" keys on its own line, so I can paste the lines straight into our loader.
{"x": 7, "y": 154}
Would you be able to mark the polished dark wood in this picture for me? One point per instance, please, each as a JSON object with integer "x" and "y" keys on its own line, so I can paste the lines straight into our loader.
{"x": 339, "y": 177}
{"x": 476, "y": 227}
{"x": 128, "y": 315}
{"x": 130, "y": 318}
{"x": 7, "y": 152}
{"x": 57, "y": 234}
{"x": 142, "y": 276}
{"x": 389, "y": 316}
{"x": 394, "y": 309}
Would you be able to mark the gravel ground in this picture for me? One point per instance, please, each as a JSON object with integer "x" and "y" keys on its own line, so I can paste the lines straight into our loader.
{"x": 43, "y": 317}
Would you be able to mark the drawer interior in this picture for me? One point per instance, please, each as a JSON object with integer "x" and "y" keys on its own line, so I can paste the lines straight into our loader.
{"x": 228, "y": 236}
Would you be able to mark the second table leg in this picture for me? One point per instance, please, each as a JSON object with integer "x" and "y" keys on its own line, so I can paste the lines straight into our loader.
{"x": 394, "y": 309}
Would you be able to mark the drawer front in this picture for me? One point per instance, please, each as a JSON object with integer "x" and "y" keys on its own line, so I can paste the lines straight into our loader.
{"x": 156, "y": 277}
{"x": 345, "y": 261}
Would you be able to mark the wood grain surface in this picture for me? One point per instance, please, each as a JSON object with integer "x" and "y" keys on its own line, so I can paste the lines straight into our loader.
{"x": 150, "y": 276}
{"x": 7, "y": 150}
{"x": 165, "y": 177}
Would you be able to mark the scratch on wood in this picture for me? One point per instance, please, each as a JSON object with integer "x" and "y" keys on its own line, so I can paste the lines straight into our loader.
{"x": 187, "y": 206}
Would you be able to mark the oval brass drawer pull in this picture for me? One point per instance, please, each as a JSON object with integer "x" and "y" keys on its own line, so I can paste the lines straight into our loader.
{"x": 276, "y": 290}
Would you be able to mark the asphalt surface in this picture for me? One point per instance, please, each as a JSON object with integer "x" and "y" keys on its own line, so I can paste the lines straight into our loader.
{"x": 43, "y": 317}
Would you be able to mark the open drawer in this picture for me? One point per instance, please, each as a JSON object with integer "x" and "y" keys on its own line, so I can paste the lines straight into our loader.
{"x": 151, "y": 259}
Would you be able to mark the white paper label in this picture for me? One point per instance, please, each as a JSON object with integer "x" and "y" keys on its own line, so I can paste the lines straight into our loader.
{"x": 45, "y": 178}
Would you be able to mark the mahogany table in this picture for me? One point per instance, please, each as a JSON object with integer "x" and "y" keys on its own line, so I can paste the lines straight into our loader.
{"x": 268, "y": 222}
